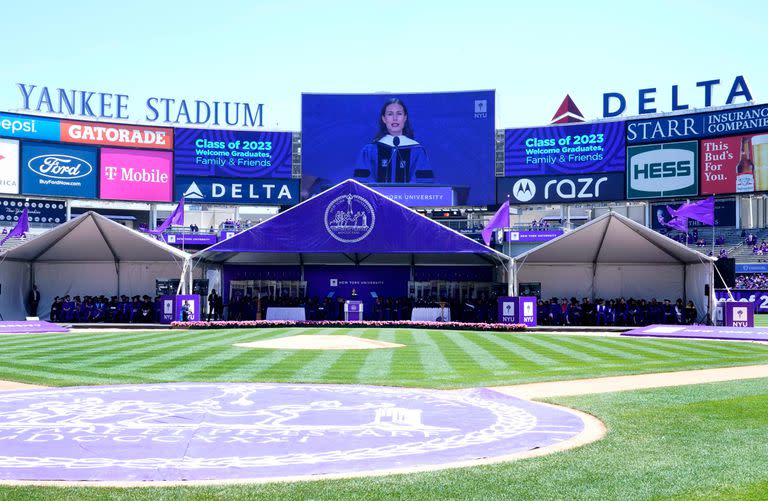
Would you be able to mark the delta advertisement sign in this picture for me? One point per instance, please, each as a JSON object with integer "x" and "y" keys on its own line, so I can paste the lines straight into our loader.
{"x": 663, "y": 170}
{"x": 58, "y": 170}
{"x": 9, "y": 166}
{"x": 736, "y": 164}
{"x": 221, "y": 190}
{"x": 144, "y": 176}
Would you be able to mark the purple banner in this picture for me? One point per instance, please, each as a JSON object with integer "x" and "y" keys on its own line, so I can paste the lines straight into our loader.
{"x": 739, "y": 314}
{"x": 419, "y": 196}
{"x": 454, "y": 273}
{"x": 517, "y": 310}
{"x": 29, "y": 327}
{"x": 701, "y": 332}
{"x": 350, "y": 218}
{"x": 232, "y": 153}
{"x": 190, "y": 239}
{"x": 532, "y": 236}
{"x": 357, "y": 282}
{"x": 758, "y": 297}
{"x": 560, "y": 150}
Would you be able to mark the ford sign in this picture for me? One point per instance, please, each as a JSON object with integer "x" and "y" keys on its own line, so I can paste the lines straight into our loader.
{"x": 60, "y": 166}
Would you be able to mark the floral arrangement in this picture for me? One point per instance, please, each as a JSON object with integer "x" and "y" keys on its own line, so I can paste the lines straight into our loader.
{"x": 255, "y": 324}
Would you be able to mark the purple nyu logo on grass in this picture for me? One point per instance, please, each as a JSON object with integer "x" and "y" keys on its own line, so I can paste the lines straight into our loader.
{"x": 188, "y": 431}
{"x": 349, "y": 218}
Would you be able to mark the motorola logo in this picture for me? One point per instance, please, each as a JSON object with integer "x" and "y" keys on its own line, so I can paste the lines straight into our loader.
{"x": 524, "y": 190}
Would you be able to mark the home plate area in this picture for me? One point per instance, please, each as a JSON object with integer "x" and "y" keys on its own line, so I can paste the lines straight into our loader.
{"x": 244, "y": 431}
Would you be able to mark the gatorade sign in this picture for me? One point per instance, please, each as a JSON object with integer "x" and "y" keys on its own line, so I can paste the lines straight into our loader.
{"x": 663, "y": 170}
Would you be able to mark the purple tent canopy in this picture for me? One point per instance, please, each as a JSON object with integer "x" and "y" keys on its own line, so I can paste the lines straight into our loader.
{"x": 349, "y": 219}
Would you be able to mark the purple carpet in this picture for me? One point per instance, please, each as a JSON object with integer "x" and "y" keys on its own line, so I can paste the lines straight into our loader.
{"x": 188, "y": 431}
{"x": 29, "y": 327}
{"x": 701, "y": 332}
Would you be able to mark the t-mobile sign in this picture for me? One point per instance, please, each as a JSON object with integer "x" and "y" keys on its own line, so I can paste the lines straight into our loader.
{"x": 140, "y": 175}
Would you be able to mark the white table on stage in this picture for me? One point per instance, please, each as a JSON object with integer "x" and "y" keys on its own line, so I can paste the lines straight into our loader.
{"x": 279, "y": 313}
{"x": 430, "y": 314}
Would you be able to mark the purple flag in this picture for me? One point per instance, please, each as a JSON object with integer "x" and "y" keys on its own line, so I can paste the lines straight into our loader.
{"x": 702, "y": 211}
{"x": 678, "y": 223}
{"x": 499, "y": 220}
{"x": 176, "y": 217}
{"x": 21, "y": 227}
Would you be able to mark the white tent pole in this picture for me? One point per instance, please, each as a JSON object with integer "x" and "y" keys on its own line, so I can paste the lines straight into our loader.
{"x": 180, "y": 288}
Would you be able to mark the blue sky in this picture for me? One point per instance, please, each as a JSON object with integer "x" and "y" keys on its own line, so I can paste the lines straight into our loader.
{"x": 271, "y": 51}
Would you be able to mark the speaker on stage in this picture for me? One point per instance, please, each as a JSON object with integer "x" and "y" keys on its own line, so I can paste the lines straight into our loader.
{"x": 727, "y": 268}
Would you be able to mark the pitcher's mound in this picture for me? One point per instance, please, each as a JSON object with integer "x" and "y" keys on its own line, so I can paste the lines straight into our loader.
{"x": 320, "y": 342}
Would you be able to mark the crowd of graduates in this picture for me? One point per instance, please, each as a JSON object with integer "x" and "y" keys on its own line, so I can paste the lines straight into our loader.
{"x": 618, "y": 311}
{"x": 612, "y": 312}
{"x": 751, "y": 281}
{"x": 138, "y": 309}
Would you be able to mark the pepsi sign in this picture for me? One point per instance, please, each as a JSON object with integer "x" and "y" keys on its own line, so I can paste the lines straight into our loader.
{"x": 53, "y": 169}
{"x": 561, "y": 189}
{"x": 27, "y": 127}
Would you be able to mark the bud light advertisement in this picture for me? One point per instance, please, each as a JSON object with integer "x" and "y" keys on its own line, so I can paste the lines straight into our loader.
{"x": 565, "y": 150}
{"x": 435, "y": 140}
{"x": 735, "y": 164}
{"x": 230, "y": 153}
{"x": 57, "y": 170}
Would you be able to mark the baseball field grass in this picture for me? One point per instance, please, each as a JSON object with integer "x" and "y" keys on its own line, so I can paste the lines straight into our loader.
{"x": 690, "y": 442}
{"x": 430, "y": 359}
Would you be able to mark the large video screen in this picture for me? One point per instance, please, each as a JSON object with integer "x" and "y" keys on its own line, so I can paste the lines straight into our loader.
{"x": 422, "y": 149}
{"x": 231, "y": 153}
{"x": 563, "y": 150}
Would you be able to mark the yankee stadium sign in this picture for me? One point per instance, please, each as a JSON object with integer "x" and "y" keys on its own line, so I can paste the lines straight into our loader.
{"x": 167, "y": 110}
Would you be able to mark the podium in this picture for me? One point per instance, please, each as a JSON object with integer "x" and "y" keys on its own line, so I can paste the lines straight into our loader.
{"x": 179, "y": 308}
{"x": 517, "y": 310}
{"x": 353, "y": 311}
{"x": 739, "y": 314}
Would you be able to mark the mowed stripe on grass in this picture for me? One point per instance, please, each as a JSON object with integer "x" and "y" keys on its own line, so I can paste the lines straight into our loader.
{"x": 440, "y": 359}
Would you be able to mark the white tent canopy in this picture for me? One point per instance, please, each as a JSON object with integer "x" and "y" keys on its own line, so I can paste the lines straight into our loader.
{"x": 613, "y": 256}
{"x": 89, "y": 255}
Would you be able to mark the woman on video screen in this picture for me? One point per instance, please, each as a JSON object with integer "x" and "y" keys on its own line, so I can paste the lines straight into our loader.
{"x": 394, "y": 156}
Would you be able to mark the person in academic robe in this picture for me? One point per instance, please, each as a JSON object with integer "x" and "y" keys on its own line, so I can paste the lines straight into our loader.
{"x": 394, "y": 156}
{"x": 213, "y": 299}
{"x": 34, "y": 301}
